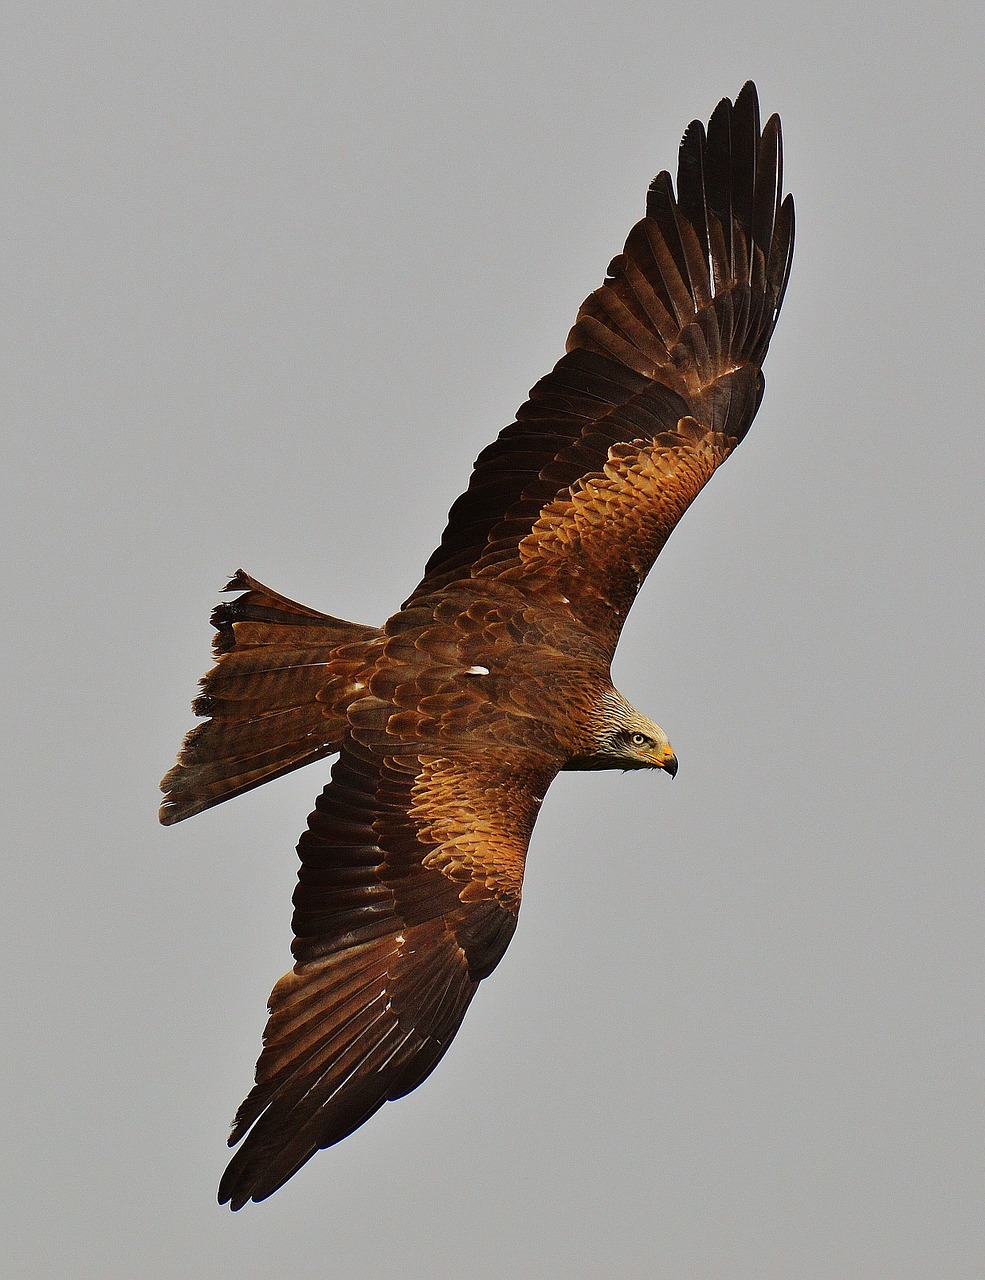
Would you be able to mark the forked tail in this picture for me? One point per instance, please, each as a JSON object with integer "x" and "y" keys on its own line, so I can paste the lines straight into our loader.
{"x": 275, "y": 700}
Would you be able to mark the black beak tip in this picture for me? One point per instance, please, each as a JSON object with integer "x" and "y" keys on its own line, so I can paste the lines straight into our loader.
{"x": 671, "y": 766}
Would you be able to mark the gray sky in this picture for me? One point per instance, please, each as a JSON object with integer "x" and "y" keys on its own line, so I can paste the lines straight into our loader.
{"x": 274, "y": 275}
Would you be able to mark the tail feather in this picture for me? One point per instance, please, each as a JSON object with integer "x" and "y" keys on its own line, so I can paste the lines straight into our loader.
{"x": 275, "y": 700}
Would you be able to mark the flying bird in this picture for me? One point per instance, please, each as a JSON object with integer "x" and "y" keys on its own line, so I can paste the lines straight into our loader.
{"x": 451, "y": 721}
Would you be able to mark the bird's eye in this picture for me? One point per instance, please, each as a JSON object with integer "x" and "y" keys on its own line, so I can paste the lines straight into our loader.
{"x": 638, "y": 739}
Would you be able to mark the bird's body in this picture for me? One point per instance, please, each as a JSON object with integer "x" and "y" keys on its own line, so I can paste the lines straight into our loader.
{"x": 452, "y": 720}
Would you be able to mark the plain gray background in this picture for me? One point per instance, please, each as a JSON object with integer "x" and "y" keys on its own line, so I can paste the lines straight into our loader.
{"x": 273, "y": 275}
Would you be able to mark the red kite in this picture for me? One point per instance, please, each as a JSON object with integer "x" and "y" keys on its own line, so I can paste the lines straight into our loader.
{"x": 452, "y": 720}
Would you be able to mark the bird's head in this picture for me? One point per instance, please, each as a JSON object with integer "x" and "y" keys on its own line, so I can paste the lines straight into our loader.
{"x": 642, "y": 745}
{"x": 624, "y": 739}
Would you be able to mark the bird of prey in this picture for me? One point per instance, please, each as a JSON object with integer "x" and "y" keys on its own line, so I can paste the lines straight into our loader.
{"x": 451, "y": 721}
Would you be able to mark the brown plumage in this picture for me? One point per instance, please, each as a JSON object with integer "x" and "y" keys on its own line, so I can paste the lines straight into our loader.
{"x": 453, "y": 719}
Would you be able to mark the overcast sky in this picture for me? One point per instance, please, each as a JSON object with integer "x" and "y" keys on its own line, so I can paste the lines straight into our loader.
{"x": 273, "y": 275}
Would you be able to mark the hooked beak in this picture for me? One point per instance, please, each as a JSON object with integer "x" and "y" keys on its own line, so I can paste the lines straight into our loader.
{"x": 669, "y": 762}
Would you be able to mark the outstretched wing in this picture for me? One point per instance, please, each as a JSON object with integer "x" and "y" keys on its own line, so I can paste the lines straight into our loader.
{"x": 661, "y": 381}
{"x": 408, "y": 894}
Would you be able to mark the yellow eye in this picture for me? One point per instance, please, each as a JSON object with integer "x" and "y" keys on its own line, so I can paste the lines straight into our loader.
{"x": 638, "y": 739}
